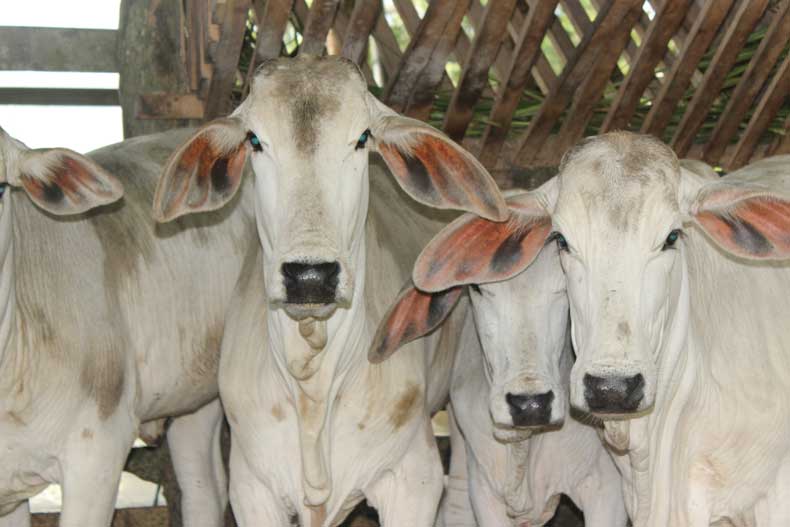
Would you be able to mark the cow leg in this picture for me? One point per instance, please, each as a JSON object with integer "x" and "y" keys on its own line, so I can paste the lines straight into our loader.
{"x": 197, "y": 460}
{"x": 19, "y": 517}
{"x": 488, "y": 508}
{"x": 410, "y": 493}
{"x": 456, "y": 509}
{"x": 91, "y": 470}
{"x": 252, "y": 502}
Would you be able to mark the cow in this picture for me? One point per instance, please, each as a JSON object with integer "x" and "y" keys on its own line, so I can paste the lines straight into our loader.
{"x": 97, "y": 336}
{"x": 315, "y": 428}
{"x": 678, "y": 301}
{"x": 515, "y": 448}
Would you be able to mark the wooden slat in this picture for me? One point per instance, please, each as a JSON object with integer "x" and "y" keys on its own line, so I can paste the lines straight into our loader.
{"x": 769, "y": 105}
{"x": 735, "y": 37}
{"x": 421, "y": 69}
{"x": 783, "y": 145}
{"x": 322, "y": 13}
{"x": 474, "y": 77}
{"x": 194, "y": 41}
{"x": 653, "y": 48}
{"x": 271, "y": 29}
{"x": 389, "y": 51}
{"x": 363, "y": 19}
{"x": 606, "y": 24}
{"x": 577, "y": 15}
{"x": 589, "y": 93}
{"x": 54, "y": 49}
{"x": 169, "y": 106}
{"x": 59, "y": 96}
{"x": 524, "y": 56}
{"x": 677, "y": 79}
{"x": 226, "y": 58}
{"x": 776, "y": 37}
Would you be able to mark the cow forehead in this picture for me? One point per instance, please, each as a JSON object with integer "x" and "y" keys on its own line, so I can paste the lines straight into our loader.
{"x": 307, "y": 95}
{"x": 621, "y": 179}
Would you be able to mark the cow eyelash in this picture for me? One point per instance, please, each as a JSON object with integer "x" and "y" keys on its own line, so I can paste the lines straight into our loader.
{"x": 672, "y": 238}
{"x": 363, "y": 139}
{"x": 254, "y": 142}
{"x": 562, "y": 243}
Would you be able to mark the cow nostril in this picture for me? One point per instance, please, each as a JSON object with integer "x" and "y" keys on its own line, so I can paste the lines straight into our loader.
{"x": 310, "y": 283}
{"x": 530, "y": 410}
{"x": 614, "y": 394}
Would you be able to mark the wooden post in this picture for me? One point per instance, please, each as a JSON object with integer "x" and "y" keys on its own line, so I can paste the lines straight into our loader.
{"x": 150, "y": 59}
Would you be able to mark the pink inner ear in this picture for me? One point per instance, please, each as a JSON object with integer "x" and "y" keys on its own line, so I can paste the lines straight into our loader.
{"x": 71, "y": 180}
{"x": 200, "y": 177}
{"x": 414, "y": 314}
{"x": 438, "y": 174}
{"x": 475, "y": 250}
{"x": 757, "y": 227}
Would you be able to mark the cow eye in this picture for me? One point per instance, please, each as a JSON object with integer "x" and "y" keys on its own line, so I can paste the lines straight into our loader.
{"x": 562, "y": 244}
{"x": 475, "y": 288}
{"x": 363, "y": 139}
{"x": 254, "y": 141}
{"x": 673, "y": 237}
{"x": 2, "y": 189}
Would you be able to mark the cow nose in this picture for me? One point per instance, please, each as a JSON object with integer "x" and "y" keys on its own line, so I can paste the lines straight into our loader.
{"x": 310, "y": 283}
{"x": 530, "y": 410}
{"x": 612, "y": 395}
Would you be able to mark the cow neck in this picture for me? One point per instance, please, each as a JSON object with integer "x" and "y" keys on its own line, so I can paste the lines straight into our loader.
{"x": 313, "y": 396}
{"x": 7, "y": 285}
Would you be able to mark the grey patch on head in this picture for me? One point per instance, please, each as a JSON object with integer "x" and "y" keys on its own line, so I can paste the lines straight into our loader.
{"x": 306, "y": 115}
{"x": 620, "y": 170}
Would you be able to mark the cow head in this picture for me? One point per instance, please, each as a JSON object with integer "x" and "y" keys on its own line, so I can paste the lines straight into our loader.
{"x": 520, "y": 311}
{"x": 58, "y": 180}
{"x": 308, "y": 127}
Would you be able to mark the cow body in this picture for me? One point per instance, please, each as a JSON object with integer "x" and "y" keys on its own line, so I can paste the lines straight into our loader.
{"x": 98, "y": 337}
{"x": 515, "y": 446}
{"x": 315, "y": 428}
{"x": 678, "y": 295}
{"x": 714, "y": 446}
{"x": 374, "y": 436}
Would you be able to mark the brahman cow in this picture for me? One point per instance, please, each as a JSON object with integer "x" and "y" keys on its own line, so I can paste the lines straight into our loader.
{"x": 514, "y": 447}
{"x": 315, "y": 428}
{"x": 679, "y": 321}
{"x": 107, "y": 323}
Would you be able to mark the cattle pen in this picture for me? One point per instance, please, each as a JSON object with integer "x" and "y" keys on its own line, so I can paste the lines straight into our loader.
{"x": 516, "y": 82}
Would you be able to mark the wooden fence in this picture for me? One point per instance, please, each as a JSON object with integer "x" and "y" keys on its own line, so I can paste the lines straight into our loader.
{"x": 519, "y": 81}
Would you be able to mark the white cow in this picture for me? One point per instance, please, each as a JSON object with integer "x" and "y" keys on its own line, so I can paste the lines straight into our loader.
{"x": 679, "y": 321}
{"x": 97, "y": 335}
{"x": 513, "y": 456}
{"x": 315, "y": 427}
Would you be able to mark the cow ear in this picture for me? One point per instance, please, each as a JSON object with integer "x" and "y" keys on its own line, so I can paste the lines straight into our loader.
{"x": 64, "y": 182}
{"x": 750, "y": 221}
{"x": 414, "y": 315}
{"x": 204, "y": 173}
{"x": 473, "y": 250}
{"x": 432, "y": 168}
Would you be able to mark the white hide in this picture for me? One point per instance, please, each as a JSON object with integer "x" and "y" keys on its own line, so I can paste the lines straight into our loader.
{"x": 515, "y": 340}
{"x": 708, "y": 330}
{"x": 99, "y": 335}
{"x": 373, "y": 421}
{"x": 315, "y": 427}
